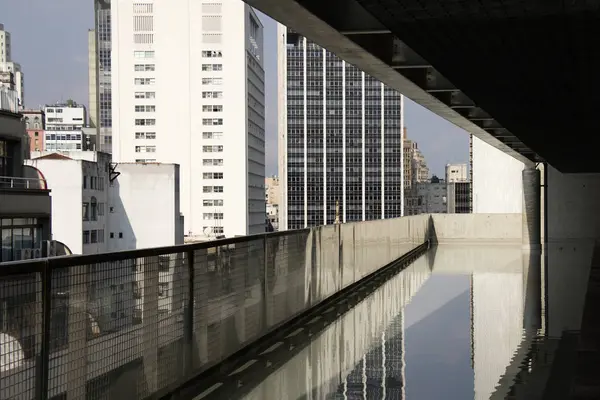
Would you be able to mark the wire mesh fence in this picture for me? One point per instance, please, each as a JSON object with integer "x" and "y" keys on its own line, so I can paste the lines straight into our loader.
{"x": 140, "y": 323}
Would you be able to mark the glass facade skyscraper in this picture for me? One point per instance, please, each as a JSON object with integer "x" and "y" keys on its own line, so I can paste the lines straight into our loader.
{"x": 341, "y": 137}
{"x": 103, "y": 73}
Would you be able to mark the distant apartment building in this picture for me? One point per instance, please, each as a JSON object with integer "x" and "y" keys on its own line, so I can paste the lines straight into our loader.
{"x": 459, "y": 197}
{"x": 100, "y": 75}
{"x": 8, "y": 66}
{"x": 340, "y": 143}
{"x": 35, "y": 126}
{"x": 191, "y": 90}
{"x": 416, "y": 171}
{"x": 456, "y": 173}
{"x": 272, "y": 199}
{"x": 431, "y": 197}
{"x": 64, "y": 124}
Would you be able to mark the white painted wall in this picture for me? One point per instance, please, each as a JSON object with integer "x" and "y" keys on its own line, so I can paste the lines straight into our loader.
{"x": 497, "y": 180}
{"x": 145, "y": 207}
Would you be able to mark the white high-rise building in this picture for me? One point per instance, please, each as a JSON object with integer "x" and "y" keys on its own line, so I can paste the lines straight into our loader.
{"x": 8, "y": 65}
{"x": 188, "y": 88}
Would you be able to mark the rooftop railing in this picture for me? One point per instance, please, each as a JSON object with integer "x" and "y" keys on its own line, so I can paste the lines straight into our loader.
{"x": 11, "y": 182}
{"x": 141, "y": 323}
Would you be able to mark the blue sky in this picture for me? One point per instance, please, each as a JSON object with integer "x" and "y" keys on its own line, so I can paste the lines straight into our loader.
{"x": 50, "y": 41}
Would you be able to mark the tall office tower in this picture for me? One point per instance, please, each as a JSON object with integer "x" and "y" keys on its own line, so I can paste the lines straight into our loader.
{"x": 188, "y": 81}
{"x": 340, "y": 139}
{"x": 7, "y": 65}
{"x": 100, "y": 90}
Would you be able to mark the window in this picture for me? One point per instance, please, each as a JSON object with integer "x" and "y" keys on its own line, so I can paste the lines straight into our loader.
{"x": 212, "y": 175}
{"x": 145, "y": 95}
{"x": 85, "y": 182}
{"x": 212, "y": 149}
{"x": 94, "y": 208}
{"x": 212, "y": 53}
{"x": 212, "y": 81}
{"x": 143, "y": 54}
{"x": 210, "y": 161}
{"x": 218, "y": 189}
{"x": 86, "y": 237}
{"x": 100, "y": 209}
{"x": 212, "y": 121}
{"x": 86, "y": 211}
{"x": 212, "y": 135}
{"x": 164, "y": 263}
{"x": 212, "y": 67}
{"x": 150, "y": 135}
{"x": 145, "y": 108}
{"x": 112, "y": 235}
{"x": 145, "y": 135}
{"x": 120, "y": 235}
{"x": 207, "y": 189}
{"x": 144, "y": 81}
{"x": 145, "y": 122}
{"x": 94, "y": 236}
{"x": 212, "y": 108}
{"x": 163, "y": 289}
{"x": 144, "y": 67}
{"x": 212, "y": 95}
{"x": 211, "y": 203}
{"x": 150, "y": 149}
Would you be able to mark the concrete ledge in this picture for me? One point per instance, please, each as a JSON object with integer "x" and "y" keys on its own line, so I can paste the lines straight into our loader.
{"x": 478, "y": 228}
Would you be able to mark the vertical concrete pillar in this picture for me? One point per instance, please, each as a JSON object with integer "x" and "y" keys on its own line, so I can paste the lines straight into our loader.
{"x": 77, "y": 333}
{"x": 150, "y": 322}
{"x": 531, "y": 208}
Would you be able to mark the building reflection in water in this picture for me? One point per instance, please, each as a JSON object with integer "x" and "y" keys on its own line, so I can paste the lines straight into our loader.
{"x": 465, "y": 318}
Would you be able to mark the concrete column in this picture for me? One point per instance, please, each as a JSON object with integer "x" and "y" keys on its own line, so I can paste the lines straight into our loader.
{"x": 531, "y": 208}
{"x": 77, "y": 331}
{"x": 150, "y": 322}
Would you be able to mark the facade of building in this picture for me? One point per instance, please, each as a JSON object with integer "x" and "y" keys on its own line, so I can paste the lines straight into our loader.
{"x": 273, "y": 198}
{"x": 64, "y": 126}
{"x": 456, "y": 173}
{"x": 431, "y": 197}
{"x": 7, "y": 65}
{"x": 35, "y": 126}
{"x": 25, "y": 204}
{"x": 459, "y": 197}
{"x": 415, "y": 172}
{"x": 340, "y": 139}
{"x": 181, "y": 106}
{"x": 100, "y": 75}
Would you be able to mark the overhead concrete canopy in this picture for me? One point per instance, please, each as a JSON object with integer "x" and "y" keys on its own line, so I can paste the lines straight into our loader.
{"x": 517, "y": 74}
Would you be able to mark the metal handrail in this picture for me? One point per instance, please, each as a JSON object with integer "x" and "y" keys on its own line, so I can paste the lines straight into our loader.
{"x": 15, "y": 182}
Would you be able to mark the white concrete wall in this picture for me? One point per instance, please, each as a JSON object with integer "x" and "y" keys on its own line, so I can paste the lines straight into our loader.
{"x": 491, "y": 228}
{"x": 64, "y": 179}
{"x": 497, "y": 180}
{"x": 145, "y": 205}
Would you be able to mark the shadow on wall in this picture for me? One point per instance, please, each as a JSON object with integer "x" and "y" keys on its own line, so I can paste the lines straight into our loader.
{"x": 122, "y": 235}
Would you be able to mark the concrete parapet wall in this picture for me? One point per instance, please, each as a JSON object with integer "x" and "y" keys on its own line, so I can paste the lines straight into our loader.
{"x": 474, "y": 228}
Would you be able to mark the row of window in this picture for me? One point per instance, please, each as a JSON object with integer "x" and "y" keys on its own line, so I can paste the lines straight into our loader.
{"x": 212, "y": 216}
{"x": 212, "y": 53}
{"x": 212, "y": 175}
{"x": 92, "y": 210}
{"x": 145, "y": 95}
{"x": 95, "y": 182}
{"x": 144, "y": 81}
{"x": 145, "y": 149}
{"x": 145, "y": 122}
{"x": 144, "y": 67}
{"x": 212, "y": 202}
{"x": 217, "y": 162}
{"x": 212, "y": 121}
{"x": 212, "y": 95}
{"x": 212, "y": 149}
{"x": 93, "y": 236}
{"x": 212, "y": 135}
{"x": 212, "y": 108}
{"x": 54, "y": 136}
{"x": 212, "y": 81}
{"x": 145, "y": 108}
{"x": 212, "y": 189}
{"x": 145, "y": 135}
{"x": 212, "y": 67}
{"x": 143, "y": 54}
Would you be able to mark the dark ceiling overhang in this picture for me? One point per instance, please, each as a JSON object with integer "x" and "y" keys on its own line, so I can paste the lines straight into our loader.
{"x": 516, "y": 74}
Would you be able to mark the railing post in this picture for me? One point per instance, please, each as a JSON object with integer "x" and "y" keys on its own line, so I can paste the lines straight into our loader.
{"x": 43, "y": 358}
{"x": 188, "y": 318}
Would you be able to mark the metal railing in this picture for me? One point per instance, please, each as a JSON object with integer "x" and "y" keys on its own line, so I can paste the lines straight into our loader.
{"x": 12, "y": 182}
{"x": 141, "y": 323}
